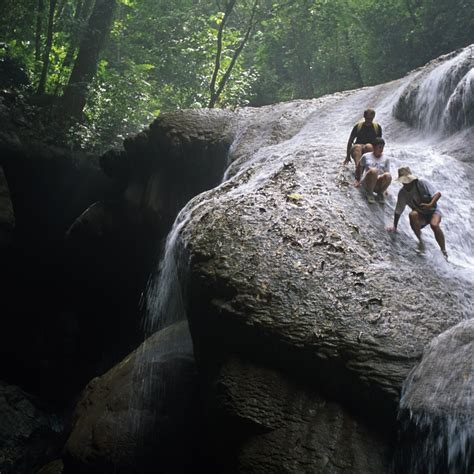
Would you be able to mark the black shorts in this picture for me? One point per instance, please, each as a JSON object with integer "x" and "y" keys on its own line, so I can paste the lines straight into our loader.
{"x": 427, "y": 216}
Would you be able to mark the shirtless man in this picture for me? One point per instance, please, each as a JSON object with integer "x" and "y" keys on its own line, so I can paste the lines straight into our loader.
{"x": 420, "y": 196}
{"x": 364, "y": 133}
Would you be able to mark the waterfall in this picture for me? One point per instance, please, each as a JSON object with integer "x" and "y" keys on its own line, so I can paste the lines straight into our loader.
{"x": 437, "y": 407}
{"x": 460, "y": 107}
{"x": 442, "y": 99}
{"x": 167, "y": 344}
{"x": 164, "y": 296}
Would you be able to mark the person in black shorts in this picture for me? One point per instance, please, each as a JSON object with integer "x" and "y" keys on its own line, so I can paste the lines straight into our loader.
{"x": 420, "y": 196}
{"x": 363, "y": 133}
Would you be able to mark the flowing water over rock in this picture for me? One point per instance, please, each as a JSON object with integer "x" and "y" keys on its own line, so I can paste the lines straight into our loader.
{"x": 437, "y": 406}
{"x": 294, "y": 258}
{"x": 441, "y": 99}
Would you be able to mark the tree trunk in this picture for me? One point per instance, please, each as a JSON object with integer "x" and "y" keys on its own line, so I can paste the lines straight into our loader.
{"x": 356, "y": 72}
{"x": 47, "y": 49}
{"x": 80, "y": 18}
{"x": 62, "y": 4}
{"x": 217, "y": 65}
{"x": 39, "y": 31}
{"x": 85, "y": 66}
{"x": 81, "y": 14}
{"x": 215, "y": 94}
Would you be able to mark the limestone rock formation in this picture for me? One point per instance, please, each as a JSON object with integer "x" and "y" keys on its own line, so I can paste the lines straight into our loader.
{"x": 306, "y": 316}
{"x": 290, "y": 269}
{"x": 178, "y": 156}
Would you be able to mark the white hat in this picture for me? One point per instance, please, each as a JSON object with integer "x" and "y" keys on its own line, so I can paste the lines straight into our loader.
{"x": 405, "y": 176}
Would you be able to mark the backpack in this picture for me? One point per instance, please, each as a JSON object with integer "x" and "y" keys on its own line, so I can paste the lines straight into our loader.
{"x": 425, "y": 198}
{"x": 375, "y": 125}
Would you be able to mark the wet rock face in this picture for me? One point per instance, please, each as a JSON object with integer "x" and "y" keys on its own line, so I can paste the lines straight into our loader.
{"x": 437, "y": 406}
{"x": 140, "y": 414}
{"x": 269, "y": 423}
{"x": 289, "y": 268}
{"x": 283, "y": 272}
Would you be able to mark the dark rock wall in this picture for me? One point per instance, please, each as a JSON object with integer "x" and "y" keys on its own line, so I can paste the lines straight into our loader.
{"x": 7, "y": 216}
{"x": 29, "y": 433}
{"x": 88, "y": 234}
{"x": 48, "y": 188}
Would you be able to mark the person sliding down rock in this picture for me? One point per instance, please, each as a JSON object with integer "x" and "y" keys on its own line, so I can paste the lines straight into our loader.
{"x": 419, "y": 195}
{"x": 373, "y": 172}
{"x": 364, "y": 133}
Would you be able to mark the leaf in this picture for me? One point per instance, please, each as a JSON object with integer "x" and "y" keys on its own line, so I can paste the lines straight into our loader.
{"x": 144, "y": 67}
{"x": 294, "y": 196}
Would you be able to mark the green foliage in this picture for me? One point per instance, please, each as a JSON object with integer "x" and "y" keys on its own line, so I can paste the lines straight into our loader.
{"x": 160, "y": 55}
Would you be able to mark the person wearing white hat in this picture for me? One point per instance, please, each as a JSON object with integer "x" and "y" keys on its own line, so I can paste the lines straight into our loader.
{"x": 420, "y": 196}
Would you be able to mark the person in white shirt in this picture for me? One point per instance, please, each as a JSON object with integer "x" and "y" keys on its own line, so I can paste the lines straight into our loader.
{"x": 373, "y": 172}
{"x": 420, "y": 196}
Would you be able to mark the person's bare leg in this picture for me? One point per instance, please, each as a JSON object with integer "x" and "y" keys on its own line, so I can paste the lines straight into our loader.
{"x": 367, "y": 148}
{"x": 356, "y": 153}
{"x": 416, "y": 227}
{"x": 383, "y": 182}
{"x": 438, "y": 233}
{"x": 370, "y": 180}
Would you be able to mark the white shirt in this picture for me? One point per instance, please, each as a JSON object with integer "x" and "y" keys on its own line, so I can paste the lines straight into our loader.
{"x": 369, "y": 160}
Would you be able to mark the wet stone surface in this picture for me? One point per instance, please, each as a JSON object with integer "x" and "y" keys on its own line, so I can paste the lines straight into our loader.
{"x": 289, "y": 262}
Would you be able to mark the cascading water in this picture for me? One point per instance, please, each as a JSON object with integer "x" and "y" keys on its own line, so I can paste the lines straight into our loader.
{"x": 440, "y": 95}
{"x": 441, "y": 101}
{"x": 436, "y": 407}
{"x": 459, "y": 110}
{"x": 437, "y": 404}
{"x": 164, "y": 296}
{"x": 439, "y": 88}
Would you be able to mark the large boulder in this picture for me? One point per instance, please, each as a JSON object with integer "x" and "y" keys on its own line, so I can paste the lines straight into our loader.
{"x": 141, "y": 416}
{"x": 289, "y": 268}
{"x": 178, "y": 156}
{"x": 437, "y": 407}
{"x": 286, "y": 272}
{"x": 267, "y": 422}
